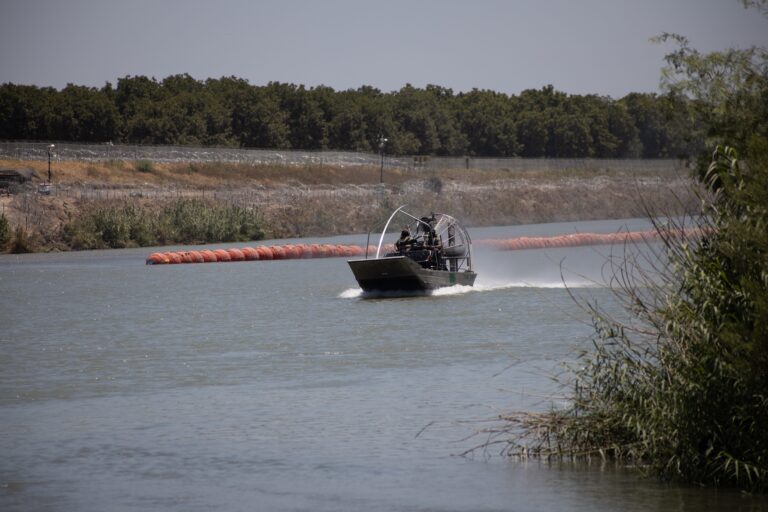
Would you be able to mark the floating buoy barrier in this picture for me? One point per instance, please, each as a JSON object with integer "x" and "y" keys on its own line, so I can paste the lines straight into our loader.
{"x": 579, "y": 239}
{"x": 302, "y": 251}
{"x": 263, "y": 252}
{"x": 571, "y": 240}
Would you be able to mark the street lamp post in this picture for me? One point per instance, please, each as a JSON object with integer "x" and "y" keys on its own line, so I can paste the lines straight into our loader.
{"x": 50, "y": 154}
{"x": 382, "y": 143}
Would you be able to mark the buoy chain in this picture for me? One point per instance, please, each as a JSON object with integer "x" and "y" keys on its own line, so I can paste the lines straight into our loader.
{"x": 302, "y": 251}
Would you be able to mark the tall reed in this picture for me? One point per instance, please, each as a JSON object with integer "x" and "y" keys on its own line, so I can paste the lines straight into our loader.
{"x": 181, "y": 221}
{"x": 679, "y": 384}
{"x": 5, "y": 230}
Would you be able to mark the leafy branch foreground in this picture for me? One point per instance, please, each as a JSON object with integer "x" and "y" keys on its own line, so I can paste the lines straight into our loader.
{"x": 679, "y": 385}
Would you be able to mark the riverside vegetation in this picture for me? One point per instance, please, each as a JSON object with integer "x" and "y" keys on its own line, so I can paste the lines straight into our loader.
{"x": 185, "y": 221}
{"x": 678, "y": 384}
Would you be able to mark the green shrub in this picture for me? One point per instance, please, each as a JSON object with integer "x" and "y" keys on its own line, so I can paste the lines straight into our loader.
{"x": 184, "y": 221}
{"x": 144, "y": 166}
{"x": 81, "y": 235}
{"x": 5, "y": 231}
{"x": 21, "y": 241}
{"x": 435, "y": 184}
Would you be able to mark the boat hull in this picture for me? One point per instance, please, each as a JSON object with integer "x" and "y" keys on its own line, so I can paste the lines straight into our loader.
{"x": 400, "y": 273}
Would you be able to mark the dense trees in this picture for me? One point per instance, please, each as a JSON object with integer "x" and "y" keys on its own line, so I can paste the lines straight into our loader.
{"x": 431, "y": 121}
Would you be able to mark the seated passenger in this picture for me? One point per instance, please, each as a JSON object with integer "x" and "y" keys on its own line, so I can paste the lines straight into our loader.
{"x": 405, "y": 241}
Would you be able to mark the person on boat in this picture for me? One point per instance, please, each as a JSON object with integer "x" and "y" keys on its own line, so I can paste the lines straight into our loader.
{"x": 434, "y": 245}
{"x": 435, "y": 242}
{"x": 405, "y": 241}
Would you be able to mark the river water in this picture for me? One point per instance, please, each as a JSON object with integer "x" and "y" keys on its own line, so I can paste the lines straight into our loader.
{"x": 277, "y": 386}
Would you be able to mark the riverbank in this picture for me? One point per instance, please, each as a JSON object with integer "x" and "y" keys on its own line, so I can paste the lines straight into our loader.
{"x": 322, "y": 200}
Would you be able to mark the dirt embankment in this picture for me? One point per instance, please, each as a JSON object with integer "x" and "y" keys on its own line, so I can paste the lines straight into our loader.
{"x": 326, "y": 200}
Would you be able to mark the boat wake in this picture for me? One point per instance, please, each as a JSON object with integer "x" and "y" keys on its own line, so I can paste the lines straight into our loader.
{"x": 358, "y": 293}
{"x": 491, "y": 286}
{"x": 481, "y": 287}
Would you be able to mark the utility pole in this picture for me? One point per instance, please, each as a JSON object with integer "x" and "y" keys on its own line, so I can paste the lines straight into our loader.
{"x": 382, "y": 143}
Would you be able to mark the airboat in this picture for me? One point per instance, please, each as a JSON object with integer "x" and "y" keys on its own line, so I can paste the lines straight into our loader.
{"x": 431, "y": 252}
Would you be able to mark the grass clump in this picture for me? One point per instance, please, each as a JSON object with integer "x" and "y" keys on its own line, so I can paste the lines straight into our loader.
{"x": 5, "y": 230}
{"x": 113, "y": 163}
{"x": 188, "y": 221}
{"x": 145, "y": 166}
{"x": 182, "y": 221}
{"x": 21, "y": 241}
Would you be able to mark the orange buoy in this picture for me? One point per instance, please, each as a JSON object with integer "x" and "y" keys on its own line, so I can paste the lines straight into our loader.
{"x": 290, "y": 252}
{"x": 277, "y": 252}
{"x": 222, "y": 255}
{"x": 356, "y": 250}
{"x": 173, "y": 257}
{"x": 299, "y": 249}
{"x": 304, "y": 251}
{"x": 208, "y": 256}
{"x": 250, "y": 253}
{"x": 157, "y": 258}
{"x": 236, "y": 254}
{"x": 264, "y": 252}
{"x": 329, "y": 251}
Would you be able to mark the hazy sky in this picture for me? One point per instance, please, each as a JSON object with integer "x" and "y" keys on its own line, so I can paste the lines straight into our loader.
{"x": 579, "y": 46}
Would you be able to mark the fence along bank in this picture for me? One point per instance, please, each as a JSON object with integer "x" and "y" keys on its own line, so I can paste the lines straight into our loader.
{"x": 14, "y": 150}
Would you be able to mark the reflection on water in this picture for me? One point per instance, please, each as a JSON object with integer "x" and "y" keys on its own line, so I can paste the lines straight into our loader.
{"x": 277, "y": 386}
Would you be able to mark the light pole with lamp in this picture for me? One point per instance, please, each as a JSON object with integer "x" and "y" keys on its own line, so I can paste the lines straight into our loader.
{"x": 50, "y": 154}
{"x": 382, "y": 143}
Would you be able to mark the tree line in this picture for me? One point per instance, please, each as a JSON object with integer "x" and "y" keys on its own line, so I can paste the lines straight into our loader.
{"x": 230, "y": 112}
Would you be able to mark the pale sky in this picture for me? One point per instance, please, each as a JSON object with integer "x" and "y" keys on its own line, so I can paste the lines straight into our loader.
{"x": 578, "y": 46}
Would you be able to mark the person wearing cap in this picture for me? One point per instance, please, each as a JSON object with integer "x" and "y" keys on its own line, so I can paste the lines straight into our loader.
{"x": 404, "y": 241}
